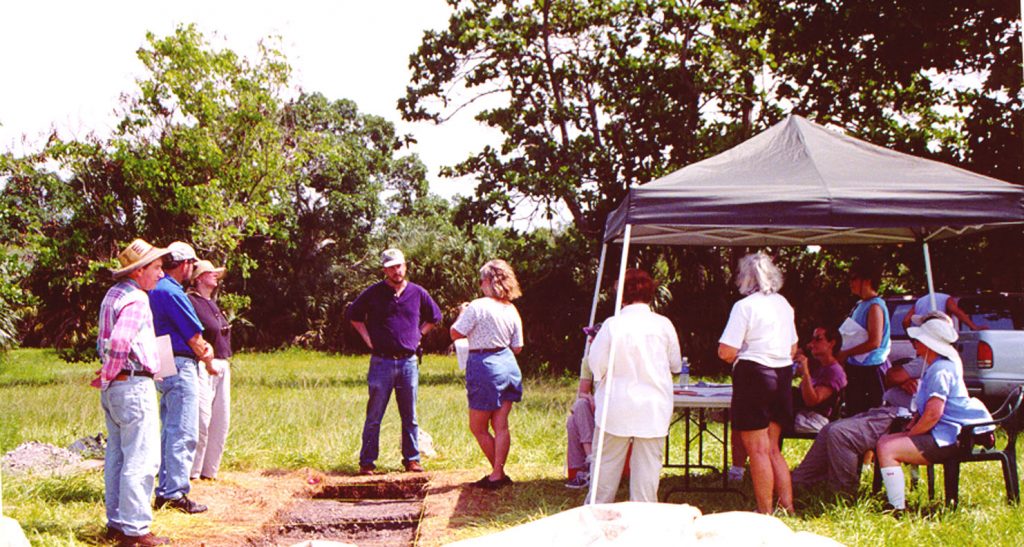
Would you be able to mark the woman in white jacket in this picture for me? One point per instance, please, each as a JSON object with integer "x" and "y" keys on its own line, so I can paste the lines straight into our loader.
{"x": 636, "y": 389}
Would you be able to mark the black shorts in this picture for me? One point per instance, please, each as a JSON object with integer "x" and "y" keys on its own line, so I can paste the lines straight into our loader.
{"x": 760, "y": 395}
{"x": 931, "y": 450}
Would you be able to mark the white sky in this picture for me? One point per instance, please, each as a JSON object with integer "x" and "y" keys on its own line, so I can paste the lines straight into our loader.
{"x": 64, "y": 63}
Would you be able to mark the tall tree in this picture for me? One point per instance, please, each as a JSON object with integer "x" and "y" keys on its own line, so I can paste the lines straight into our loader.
{"x": 939, "y": 79}
{"x": 590, "y": 96}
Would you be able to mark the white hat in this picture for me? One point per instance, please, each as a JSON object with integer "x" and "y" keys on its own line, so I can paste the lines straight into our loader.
{"x": 137, "y": 253}
{"x": 181, "y": 251}
{"x": 391, "y": 257}
{"x": 936, "y": 331}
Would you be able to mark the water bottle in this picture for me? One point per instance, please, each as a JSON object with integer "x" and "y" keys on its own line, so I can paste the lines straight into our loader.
{"x": 684, "y": 372}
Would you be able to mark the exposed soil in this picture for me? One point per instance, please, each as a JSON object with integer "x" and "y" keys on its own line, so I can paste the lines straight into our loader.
{"x": 284, "y": 508}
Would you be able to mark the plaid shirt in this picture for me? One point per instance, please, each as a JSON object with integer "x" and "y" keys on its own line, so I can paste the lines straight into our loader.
{"x": 126, "y": 339}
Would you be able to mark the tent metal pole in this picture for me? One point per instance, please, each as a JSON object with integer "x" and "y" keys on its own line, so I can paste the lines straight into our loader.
{"x": 609, "y": 374}
{"x": 597, "y": 293}
{"x": 928, "y": 274}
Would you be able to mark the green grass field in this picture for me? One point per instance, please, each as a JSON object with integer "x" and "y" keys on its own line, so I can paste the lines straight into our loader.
{"x": 296, "y": 409}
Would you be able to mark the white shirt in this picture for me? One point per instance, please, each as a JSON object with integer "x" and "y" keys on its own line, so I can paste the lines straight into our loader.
{"x": 646, "y": 355}
{"x": 490, "y": 324}
{"x": 762, "y": 327}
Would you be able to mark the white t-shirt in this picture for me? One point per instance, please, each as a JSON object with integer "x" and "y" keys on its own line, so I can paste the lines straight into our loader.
{"x": 762, "y": 327}
{"x": 924, "y": 305}
{"x": 646, "y": 355}
{"x": 488, "y": 323}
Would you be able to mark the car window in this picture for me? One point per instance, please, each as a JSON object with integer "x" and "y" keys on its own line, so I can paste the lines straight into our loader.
{"x": 997, "y": 312}
{"x": 899, "y": 311}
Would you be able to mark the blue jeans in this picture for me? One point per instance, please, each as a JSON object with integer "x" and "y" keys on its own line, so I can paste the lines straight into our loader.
{"x": 179, "y": 415}
{"x": 385, "y": 375}
{"x": 133, "y": 453}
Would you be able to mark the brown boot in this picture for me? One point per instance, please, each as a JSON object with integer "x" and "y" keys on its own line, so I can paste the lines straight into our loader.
{"x": 142, "y": 541}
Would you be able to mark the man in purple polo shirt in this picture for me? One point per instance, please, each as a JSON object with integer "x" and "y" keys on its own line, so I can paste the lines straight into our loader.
{"x": 392, "y": 316}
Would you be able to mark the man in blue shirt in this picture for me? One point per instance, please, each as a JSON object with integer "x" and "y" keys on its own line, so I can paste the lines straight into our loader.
{"x": 392, "y": 316}
{"x": 174, "y": 315}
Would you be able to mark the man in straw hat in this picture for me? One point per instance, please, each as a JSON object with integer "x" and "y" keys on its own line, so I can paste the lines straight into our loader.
{"x": 128, "y": 353}
{"x": 174, "y": 315}
{"x": 392, "y": 316}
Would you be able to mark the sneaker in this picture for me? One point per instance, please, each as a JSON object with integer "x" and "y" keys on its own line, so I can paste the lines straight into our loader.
{"x": 368, "y": 470}
{"x": 413, "y": 466}
{"x": 579, "y": 482}
{"x": 735, "y": 474}
{"x": 182, "y": 504}
{"x": 147, "y": 540}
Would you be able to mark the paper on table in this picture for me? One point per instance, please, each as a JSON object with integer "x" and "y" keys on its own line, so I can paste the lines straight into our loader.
{"x": 701, "y": 391}
{"x": 166, "y": 355}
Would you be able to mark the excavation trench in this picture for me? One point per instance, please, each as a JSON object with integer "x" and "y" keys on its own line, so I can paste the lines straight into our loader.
{"x": 369, "y": 513}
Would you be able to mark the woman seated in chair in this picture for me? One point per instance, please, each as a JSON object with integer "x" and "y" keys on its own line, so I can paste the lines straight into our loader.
{"x": 941, "y": 407}
{"x": 814, "y": 400}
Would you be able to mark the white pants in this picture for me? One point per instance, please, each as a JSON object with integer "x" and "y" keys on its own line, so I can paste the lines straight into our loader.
{"x": 214, "y": 419}
{"x": 644, "y": 468}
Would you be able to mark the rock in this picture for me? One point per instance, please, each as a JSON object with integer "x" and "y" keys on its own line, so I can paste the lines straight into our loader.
{"x": 90, "y": 447}
{"x": 426, "y": 444}
{"x": 11, "y": 534}
{"x": 634, "y": 523}
{"x": 627, "y": 523}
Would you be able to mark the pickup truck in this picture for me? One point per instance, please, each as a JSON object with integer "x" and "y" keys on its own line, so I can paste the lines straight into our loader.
{"x": 993, "y": 358}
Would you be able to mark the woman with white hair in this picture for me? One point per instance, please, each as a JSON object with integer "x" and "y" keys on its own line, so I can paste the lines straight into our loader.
{"x": 760, "y": 341}
{"x": 493, "y": 379}
{"x": 941, "y": 407}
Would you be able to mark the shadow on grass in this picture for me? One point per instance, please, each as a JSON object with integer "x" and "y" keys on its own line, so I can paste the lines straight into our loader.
{"x": 318, "y": 381}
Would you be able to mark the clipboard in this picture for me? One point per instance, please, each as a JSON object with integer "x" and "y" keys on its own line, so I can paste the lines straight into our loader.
{"x": 165, "y": 353}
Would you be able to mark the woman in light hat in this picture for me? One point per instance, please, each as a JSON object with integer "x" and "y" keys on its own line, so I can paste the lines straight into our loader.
{"x": 941, "y": 407}
{"x": 214, "y": 390}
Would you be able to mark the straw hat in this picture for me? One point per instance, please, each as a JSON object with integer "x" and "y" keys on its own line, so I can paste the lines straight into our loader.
{"x": 936, "y": 331}
{"x": 204, "y": 266}
{"x": 137, "y": 254}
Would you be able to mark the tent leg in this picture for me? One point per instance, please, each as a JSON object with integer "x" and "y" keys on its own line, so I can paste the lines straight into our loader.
{"x": 928, "y": 274}
{"x": 609, "y": 374}
{"x": 597, "y": 293}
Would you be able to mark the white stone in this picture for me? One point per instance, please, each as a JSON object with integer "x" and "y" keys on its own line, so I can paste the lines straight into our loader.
{"x": 11, "y": 534}
{"x": 649, "y": 524}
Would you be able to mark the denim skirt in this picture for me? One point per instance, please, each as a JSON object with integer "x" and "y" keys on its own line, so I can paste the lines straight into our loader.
{"x": 493, "y": 378}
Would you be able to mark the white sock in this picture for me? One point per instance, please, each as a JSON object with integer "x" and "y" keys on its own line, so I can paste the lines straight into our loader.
{"x": 892, "y": 478}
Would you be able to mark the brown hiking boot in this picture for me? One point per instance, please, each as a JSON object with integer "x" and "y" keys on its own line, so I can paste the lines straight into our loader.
{"x": 367, "y": 470}
{"x": 413, "y": 466}
{"x": 142, "y": 541}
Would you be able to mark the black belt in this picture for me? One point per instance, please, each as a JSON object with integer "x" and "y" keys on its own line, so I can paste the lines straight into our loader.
{"x": 486, "y": 350}
{"x": 191, "y": 356}
{"x": 394, "y": 356}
